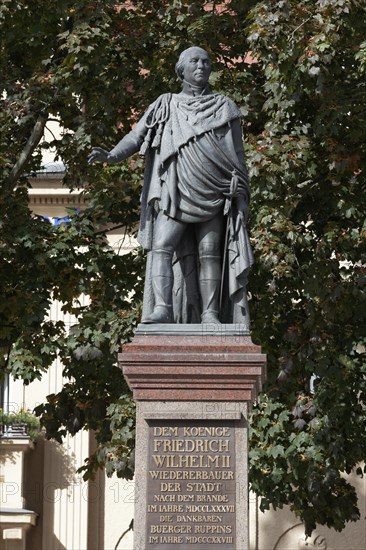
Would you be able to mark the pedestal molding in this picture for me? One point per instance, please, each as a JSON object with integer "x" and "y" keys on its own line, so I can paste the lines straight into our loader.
{"x": 191, "y": 367}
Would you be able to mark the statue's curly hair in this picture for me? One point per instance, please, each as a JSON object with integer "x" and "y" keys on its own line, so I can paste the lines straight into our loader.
{"x": 179, "y": 66}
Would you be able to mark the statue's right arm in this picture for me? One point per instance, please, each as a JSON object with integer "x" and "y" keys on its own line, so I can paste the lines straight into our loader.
{"x": 128, "y": 146}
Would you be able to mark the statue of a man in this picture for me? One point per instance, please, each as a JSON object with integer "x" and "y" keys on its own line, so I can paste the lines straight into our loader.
{"x": 194, "y": 201}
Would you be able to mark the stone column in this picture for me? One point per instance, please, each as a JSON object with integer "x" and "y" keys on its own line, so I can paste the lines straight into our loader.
{"x": 193, "y": 385}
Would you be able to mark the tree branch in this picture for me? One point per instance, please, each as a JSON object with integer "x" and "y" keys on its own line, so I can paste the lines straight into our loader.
{"x": 27, "y": 152}
{"x": 123, "y": 534}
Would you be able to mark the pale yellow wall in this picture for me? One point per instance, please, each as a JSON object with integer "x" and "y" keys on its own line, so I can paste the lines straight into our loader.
{"x": 11, "y": 470}
{"x": 14, "y": 519}
{"x": 119, "y": 501}
{"x": 281, "y": 530}
{"x": 61, "y": 494}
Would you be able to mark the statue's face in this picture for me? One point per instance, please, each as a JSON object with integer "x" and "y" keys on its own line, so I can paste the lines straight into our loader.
{"x": 197, "y": 67}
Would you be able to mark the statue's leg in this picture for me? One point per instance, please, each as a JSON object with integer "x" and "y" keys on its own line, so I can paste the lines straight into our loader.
{"x": 167, "y": 234}
{"x": 209, "y": 235}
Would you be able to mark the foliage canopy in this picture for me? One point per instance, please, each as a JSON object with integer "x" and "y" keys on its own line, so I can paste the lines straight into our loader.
{"x": 95, "y": 67}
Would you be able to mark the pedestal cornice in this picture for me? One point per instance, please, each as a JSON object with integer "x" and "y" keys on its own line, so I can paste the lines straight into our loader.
{"x": 193, "y": 363}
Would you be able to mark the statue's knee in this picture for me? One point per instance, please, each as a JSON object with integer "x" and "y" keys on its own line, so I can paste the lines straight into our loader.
{"x": 209, "y": 249}
{"x": 163, "y": 243}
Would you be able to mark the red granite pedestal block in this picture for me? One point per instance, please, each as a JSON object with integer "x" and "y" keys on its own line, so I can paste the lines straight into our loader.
{"x": 193, "y": 386}
{"x": 198, "y": 366}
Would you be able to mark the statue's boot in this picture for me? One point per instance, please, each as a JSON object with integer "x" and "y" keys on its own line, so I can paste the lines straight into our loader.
{"x": 210, "y": 279}
{"x": 162, "y": 286}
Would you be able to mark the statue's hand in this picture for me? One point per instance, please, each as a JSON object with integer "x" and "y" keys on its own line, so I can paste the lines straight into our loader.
{"x": 98, "y": 154}
{"x": 242, "y": 207}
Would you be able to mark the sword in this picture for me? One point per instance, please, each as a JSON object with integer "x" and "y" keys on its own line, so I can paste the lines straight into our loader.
{"x": 233, "y": 188}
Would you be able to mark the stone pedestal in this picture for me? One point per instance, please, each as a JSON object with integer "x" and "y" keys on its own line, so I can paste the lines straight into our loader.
{"x": 193, "y": 385}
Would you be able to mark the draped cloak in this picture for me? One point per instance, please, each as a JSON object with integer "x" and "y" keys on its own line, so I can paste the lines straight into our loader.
{"x": 194, "y": 167}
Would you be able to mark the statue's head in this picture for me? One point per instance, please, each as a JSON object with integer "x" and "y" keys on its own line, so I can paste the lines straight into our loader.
{"x": 194, "y": 66}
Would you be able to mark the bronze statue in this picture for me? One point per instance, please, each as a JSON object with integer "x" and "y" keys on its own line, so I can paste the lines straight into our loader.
{"x": 194, "y": 201}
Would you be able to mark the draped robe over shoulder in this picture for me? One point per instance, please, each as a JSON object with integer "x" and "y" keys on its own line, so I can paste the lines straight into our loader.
{"x": 194, "y": 167}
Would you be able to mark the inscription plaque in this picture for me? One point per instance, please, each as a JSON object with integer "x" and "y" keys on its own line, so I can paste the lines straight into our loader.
{"x": 191, "y": 485}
